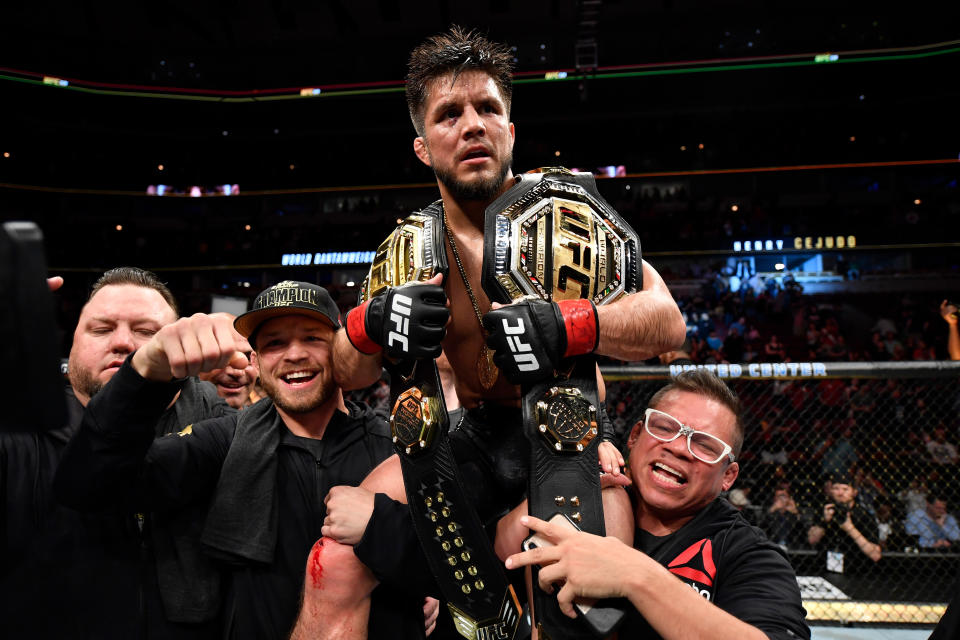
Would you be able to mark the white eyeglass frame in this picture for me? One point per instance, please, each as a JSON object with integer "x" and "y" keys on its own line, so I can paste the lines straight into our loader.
{"x": 686, "y": 430}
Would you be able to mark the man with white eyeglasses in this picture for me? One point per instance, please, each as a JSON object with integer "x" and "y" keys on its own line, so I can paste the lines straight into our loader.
{"x": 697, "y": 568}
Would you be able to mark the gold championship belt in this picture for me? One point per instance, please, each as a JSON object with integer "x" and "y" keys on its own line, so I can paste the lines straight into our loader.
{"x": 459, "y": 554}
{"x": 412, "y": 253}
{"x": 553, "y": 237}
{"x": 556, "y": 239}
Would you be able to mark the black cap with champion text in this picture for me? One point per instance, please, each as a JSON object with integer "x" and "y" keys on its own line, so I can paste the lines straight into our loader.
{"x": 286, "y": 298}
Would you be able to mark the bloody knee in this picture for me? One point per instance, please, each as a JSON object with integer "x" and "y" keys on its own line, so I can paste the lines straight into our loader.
{"x": 334, "y": 573}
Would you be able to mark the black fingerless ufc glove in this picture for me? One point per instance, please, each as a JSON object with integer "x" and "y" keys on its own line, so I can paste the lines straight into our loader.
{"x": 406, "y": 322}
{"x": 531, "y": 338}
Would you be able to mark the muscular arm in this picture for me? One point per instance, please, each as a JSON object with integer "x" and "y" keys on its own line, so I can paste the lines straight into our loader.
{"x": 641, "y": 325}
{"x": 352, "y": 369}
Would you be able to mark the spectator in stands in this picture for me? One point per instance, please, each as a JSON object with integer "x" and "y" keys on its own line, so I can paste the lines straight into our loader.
{"x": 813, "y": 336}
{"x": 869, "y": 488}
{"x": 920, "y": 350}
{"x": 838, "y": 454}
{"x": 914, "y": 497}
{"x": 838, "y": 349}
{"x": 891, "y": 343}
{"x": 892, "y": 536}
{"x": 950, "y": 314}
{"x": 846, "y": 531}
{"x": 791, "y": 285}
{"x": 740, "y": 325}
{"x": 933, "y": 526}
{"x": 774, "y": 350}
{"x": 733, "y": 345}
{"x": 884, "y": 325}
{"x": 781, "y": 520}
{"x": 863, "y": 401}
{"x": 939, "y": 450}
{"x": 774, "y": 447}
{"x": 877, "y": 349}
{"x": 714, "y": 341}
{"x": 832, "y": 395}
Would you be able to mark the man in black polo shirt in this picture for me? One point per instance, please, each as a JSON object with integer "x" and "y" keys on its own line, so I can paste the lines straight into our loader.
{"x": 697, "y": 568}
{"x": 263, "y": 472}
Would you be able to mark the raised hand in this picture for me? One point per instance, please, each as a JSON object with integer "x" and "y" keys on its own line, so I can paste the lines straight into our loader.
{"x": 189, "y": 346}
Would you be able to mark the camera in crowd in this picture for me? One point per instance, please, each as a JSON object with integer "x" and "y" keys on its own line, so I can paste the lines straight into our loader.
{"x": 840, "y": 513}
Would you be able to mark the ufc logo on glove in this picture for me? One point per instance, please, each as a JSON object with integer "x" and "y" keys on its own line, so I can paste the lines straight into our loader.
{"x": 400, "y": 317}
{"x": 405, "y": 322}
{"x": 525, "y": 360}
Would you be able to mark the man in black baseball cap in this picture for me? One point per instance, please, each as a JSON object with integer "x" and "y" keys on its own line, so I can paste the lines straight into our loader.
{"x": 264, "y": 472}
{"x": 287, "y": 298}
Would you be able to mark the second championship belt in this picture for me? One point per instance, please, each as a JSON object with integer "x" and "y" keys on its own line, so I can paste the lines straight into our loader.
{"x": 471, "y": 577}
{"x": 553, "y": 237}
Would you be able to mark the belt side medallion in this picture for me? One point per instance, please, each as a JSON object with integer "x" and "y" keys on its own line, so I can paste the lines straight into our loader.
{"x": 566, "y": 420}
{"x": 413, "y": 421}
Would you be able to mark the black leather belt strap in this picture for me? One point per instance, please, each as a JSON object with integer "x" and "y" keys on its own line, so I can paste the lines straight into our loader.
{"x": 461, "y": 558}
{"x": 560, "y": 417}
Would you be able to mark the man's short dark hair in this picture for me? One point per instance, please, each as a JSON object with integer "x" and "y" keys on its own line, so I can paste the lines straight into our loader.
{"x": 455, "y": 51}
{"x": 139, "y": 278}
{"x": 703, "y": 382}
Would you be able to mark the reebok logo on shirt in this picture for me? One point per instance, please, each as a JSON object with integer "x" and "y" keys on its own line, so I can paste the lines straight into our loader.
{"x": 696, "y": 563}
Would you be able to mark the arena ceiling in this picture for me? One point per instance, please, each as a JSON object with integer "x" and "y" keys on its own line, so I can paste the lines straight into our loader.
{"x": 771, "y": 114}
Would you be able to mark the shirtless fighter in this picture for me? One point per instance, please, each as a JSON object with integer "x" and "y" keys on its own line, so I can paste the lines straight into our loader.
{"x": 459, "y": 95}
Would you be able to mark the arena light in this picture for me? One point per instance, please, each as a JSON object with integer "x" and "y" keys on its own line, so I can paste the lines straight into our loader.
{"x": 194, "y": 191}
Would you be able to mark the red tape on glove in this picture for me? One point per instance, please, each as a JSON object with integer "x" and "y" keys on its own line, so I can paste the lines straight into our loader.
{"x": 581, "y": 323}
{"x": 357, "y": 331}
